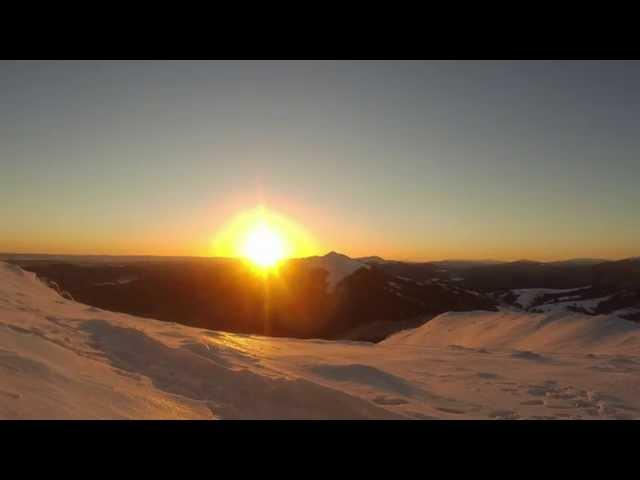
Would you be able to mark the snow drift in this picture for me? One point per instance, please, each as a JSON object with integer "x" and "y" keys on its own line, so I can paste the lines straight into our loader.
{"x": 559, "y": 332}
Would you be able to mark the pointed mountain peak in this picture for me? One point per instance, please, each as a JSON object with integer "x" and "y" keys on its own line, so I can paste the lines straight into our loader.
{"x": 334, "y": 254}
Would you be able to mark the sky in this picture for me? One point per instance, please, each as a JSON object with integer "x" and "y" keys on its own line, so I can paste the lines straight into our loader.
{"x": 410, "y": 160}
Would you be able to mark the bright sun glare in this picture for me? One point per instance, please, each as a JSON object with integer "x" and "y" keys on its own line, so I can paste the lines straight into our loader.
{"x": 263, "y": 237}
{"x": 263, "y": 246}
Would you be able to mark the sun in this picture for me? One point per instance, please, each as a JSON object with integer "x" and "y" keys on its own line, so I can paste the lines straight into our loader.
{"x": 262, "y": 237}
{"x": 263, "y": 246}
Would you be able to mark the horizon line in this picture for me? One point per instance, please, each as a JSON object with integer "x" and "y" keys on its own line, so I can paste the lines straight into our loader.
{"x": 89, "y": 255}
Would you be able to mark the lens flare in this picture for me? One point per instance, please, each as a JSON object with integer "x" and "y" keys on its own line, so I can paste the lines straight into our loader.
{"x": 263, "y": 237}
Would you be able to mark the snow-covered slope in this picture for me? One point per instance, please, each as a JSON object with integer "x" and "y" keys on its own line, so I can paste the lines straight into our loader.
{"x": 622, "y": 303}
{"x": 526, "y": 297}
{"x": 559, "y": 332}
{"x": 62, "y": 359}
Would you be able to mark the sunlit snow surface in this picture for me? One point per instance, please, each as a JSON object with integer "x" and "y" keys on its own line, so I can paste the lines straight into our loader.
{"x": 61, "y": 359}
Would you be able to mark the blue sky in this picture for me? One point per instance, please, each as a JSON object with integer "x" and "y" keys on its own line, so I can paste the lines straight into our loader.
{"x": 411, "y": 160}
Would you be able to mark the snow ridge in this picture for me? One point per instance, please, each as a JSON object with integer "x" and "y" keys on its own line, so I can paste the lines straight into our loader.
{"x": 337, "y": 265}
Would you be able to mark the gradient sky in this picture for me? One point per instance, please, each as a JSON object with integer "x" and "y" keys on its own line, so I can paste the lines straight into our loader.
{"x": 407, "y": 160}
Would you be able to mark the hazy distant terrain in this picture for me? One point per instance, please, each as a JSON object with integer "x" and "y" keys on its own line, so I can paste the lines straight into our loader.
{"x": 330, "y": 296}
{"x": 63, "y": 359}
{"x": 334, "y": 296}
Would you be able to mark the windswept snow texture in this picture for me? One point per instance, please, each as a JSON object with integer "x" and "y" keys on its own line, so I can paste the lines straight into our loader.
{"x": 61, "y": 359}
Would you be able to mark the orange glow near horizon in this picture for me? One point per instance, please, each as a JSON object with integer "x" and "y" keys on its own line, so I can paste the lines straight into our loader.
{"x": 263, "y": 237}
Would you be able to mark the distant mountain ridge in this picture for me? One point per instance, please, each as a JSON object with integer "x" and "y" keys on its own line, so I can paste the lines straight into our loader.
{"x": 580, "y": 261}
{"x": 9, "y": 256}
{"x": 321, "y": 297}
{"x": 335, "y": 296}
